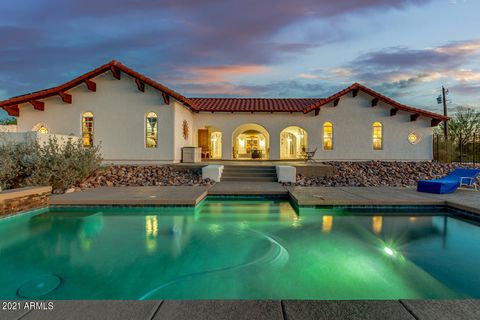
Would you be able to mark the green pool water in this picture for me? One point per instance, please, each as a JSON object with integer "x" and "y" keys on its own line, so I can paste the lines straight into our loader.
{"x": 237, "y": 249}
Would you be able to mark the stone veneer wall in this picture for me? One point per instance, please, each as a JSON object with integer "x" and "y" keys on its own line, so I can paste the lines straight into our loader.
{"x": 24, "y": 199}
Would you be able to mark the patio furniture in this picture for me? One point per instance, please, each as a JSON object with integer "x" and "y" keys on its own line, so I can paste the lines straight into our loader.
{"x": 450, "y": 183}
{"x": 308, "y": 155}
{"x": 205, "y": 152}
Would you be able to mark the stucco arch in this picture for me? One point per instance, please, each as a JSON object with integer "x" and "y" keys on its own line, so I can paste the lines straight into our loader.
{"x": 39, "y": 125}
{"x": 250, "y": 138}
{"x": 293, "y": 142}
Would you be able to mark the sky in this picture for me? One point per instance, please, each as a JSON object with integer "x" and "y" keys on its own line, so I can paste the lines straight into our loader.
{"x": 405, "y": 49}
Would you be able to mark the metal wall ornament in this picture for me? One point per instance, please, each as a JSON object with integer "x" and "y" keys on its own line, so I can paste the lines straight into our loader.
{"x": 185, "y": 129}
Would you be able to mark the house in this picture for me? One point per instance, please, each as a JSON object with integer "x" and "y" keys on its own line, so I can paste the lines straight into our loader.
{"x": 138, "y": 120}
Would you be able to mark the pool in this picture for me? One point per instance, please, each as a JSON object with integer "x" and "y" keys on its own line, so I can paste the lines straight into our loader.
{"x": 238, "y": 248}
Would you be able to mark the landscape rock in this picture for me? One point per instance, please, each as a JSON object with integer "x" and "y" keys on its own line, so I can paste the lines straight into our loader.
{"x": 120, "y": 176}
{"x": 380, "y": 173}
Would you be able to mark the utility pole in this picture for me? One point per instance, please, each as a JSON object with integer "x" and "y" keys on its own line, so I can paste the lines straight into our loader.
{"x": 444, "y": 100}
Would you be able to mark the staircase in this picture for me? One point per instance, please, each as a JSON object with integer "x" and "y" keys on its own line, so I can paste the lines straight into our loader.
{"x": 250, "y": 173}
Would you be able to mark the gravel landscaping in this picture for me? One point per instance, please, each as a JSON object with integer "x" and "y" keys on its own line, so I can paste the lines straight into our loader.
{"x": 380, "y": 173}
{"x": 352, "y": 174}
{"x": 120, "y": 176}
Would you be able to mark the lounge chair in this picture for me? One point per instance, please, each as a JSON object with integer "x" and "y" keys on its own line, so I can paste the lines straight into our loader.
{"x": 450, "y": 183}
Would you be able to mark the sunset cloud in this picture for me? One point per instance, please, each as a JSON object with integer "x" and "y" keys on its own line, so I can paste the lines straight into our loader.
{"x": 241, "y": 47}
{"x": 401, "y": 67}
{"x": 221, "y": 73}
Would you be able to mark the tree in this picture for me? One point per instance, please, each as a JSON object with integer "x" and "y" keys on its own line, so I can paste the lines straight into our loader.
{"x": 8, "y": 121}
{"x": 463, "y": 125}
{"x": 463, "y": 128}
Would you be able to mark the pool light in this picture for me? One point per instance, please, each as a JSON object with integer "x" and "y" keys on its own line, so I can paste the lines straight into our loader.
{"x": 389, "y": 251}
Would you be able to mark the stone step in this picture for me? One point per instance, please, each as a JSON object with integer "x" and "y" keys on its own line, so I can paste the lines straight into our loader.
{"x": 249, "y": 168}
{"x": 256, "y": 174}
{"x": 250, "y": 179}
{"x": 249, "y": 173}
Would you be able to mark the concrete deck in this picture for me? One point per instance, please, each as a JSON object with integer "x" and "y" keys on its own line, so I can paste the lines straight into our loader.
{"x": 307, "y": 169}
{"x": 464, "y": 199}
{"x": 172, "y": 195}
{"x": 252, "y": 310}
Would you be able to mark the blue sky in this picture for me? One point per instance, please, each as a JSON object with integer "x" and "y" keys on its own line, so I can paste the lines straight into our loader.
{"x": 406, "y": 49}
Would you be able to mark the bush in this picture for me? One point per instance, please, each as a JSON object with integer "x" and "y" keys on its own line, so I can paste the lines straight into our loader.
{"x": 8, "y": 121}
{"x": 58, "y": 164}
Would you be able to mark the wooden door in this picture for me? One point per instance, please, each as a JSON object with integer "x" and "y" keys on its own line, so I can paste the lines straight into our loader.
{"x": 203, "y": 140}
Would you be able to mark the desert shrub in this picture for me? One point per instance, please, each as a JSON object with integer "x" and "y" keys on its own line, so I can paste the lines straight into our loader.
{"x": 17, "y": 162}
{"x": 8, "y": 121}
{"x": 58, "y": 164}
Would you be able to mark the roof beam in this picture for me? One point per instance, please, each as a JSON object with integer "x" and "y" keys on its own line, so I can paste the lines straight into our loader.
{"x": 336, "y": 101}
{"x": 354, "y": 92}
{"x": 393, "y": 112}
{"x": 414, "y": 117}
{"x": 92, "y": 86}
{"x": 140, "y": 85}
{"x": 12, "y": 111}
{"x": 166, "y": 98}
{"x": 115, "y": 72}
{"x": 317, "y": 111}
{"x": 435, "y": 122}
{"x": 67, "y": 98}
{"x": 374, "y": 102}
{"x": 38, "y": 105}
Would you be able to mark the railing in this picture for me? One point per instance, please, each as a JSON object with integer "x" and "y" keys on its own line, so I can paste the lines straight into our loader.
{"x": 456, "y": 149}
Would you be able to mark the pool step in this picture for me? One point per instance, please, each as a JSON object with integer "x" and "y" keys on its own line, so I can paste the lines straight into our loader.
{"x": 250, "y": 173}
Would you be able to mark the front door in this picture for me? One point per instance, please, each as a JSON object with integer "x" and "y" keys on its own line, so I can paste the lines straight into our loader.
{"x": 203, "y": 142}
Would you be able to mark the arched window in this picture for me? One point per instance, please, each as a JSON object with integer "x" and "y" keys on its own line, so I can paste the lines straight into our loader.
{"x": 151, "y": 130}
{"x": 87, "y": 129}
{"x": 327, "y": 136}
{"x": 377, "y": 136}
{"x": 43, "y": 130}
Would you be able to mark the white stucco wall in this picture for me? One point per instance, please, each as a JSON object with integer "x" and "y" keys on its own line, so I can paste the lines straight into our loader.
{"x": 8, "y": 128}
{"x": 182, "y": 113}
{"x": 42, "y": 139}
{"x": 119, "y": 110}
{"x": 352, "y": 123}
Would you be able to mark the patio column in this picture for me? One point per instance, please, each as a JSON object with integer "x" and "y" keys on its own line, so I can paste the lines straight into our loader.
{"x": 227, "y": 147}
{"x": 274, "y": 144}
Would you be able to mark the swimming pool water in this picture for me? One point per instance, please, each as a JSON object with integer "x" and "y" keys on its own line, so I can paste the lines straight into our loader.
{"x": 237, "y": 249}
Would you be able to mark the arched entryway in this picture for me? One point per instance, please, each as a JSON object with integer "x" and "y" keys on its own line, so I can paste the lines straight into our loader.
{"x": 293, "y": 142}
{"x": 209, "y": 138}
{"x": 251, "y": 142}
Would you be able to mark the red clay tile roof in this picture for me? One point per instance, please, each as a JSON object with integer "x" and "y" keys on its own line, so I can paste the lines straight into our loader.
{"x": 88, "y": 76}
{"x": 380, "y": 97}
{"x": 254, "y": 104}
{"x": 304, "y": 105}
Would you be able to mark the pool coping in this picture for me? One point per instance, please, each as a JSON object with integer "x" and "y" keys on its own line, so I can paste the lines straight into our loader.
{"x": 302, "y": 196}
{"x": 299, "y": 197}
{"x": 251, "y": 309}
